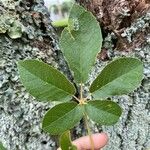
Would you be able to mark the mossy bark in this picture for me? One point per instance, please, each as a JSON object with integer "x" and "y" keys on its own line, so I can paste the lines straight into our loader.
{"x": 32, "y": 37}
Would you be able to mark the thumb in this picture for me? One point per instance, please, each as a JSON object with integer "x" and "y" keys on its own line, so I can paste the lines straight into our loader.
{"x": 83, "y": 143}
{"x": 99, "y": 139}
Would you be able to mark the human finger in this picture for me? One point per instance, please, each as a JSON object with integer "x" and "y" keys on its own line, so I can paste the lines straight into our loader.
{"x": 99, "y": 139}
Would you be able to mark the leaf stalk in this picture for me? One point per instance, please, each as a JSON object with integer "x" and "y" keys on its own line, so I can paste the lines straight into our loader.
{"x": 89, "y": 131}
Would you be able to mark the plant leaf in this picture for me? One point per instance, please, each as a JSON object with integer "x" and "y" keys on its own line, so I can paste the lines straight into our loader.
{"x": 80, "y": 42}
{"x": 44, "y": 82}
{"x": 119, "y": 77}
{"x": 2, "y": 147}
{"x": 103, "y": 112}
{"x": 62, "y": 117}
{"x": 65, "y": 142}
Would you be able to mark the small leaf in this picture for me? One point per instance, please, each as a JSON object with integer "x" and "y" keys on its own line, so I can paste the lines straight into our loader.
{"x": 62, "y": 117}
{"x": 119, "y": 77}
{"x": 2, "y": 147}
{"x": 44, "y": 82}
{"x": 80, "y": 42}
{"x": 65, "y": 142}
{"x": 103, "y": 112}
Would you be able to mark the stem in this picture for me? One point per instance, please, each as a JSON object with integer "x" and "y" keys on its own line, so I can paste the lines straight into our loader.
{"x": 89, "y": 131}
{"x": 82, "y": 102}
{"x": 81, "y": 91}
{"x": 76, "y": 98}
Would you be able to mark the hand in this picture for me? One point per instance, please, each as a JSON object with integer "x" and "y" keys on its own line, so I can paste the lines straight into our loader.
{"x": 99, "y": 139}
{"x": 83, "y": 143}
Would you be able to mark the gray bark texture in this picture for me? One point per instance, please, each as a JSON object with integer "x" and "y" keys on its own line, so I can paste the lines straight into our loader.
{"x": 26, "y": 33}
{"x": 31, "y": 38}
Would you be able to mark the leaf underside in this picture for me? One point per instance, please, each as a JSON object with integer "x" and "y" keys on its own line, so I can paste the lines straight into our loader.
{"x": 103, "y": 112}
{"x": 62, "y": 117}
{"x": 44, "y": 82}
{"x": 80, "y": 42}
{"x": 119, "y": 77}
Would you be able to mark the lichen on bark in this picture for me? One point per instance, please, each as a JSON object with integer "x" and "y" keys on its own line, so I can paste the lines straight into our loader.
{"x": 20, "y": 114}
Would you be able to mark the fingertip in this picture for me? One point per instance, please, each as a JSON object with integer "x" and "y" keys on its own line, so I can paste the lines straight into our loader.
{"x": 99, "y": 139}
{"x": 104, "y": 136}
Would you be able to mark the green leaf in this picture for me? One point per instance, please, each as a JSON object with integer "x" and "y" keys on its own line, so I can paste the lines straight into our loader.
{"x": 65, "y": 142}
{"x": 119, "y": 77}
{"x": 44, "y": 82}
{"x": 62, "y": 117}
{"x": 103, "y": 112}
{"x": 2, "y": 147}
{"x": 80, "y": 42}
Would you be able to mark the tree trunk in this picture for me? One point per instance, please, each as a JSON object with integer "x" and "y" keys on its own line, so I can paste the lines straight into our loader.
{"x": 126, "y": 32}
{"x": 32, "y": 37}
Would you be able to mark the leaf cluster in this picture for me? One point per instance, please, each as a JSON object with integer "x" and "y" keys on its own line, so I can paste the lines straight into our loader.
{"x": 80, "y": 42}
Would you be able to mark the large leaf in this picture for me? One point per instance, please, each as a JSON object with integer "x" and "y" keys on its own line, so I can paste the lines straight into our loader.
{"x": 119, "y": 77}
{"x": 65, "y": 142}
{"x": 80, "y": 42}
{"x": 62, "y": 117}
{"x": 103, "y": 112}
{"x": 44, "y": 82}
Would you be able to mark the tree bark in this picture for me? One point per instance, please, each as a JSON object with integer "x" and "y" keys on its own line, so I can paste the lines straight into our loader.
{"x": 126, "y": 29}
{"x": 35, "y": 38}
